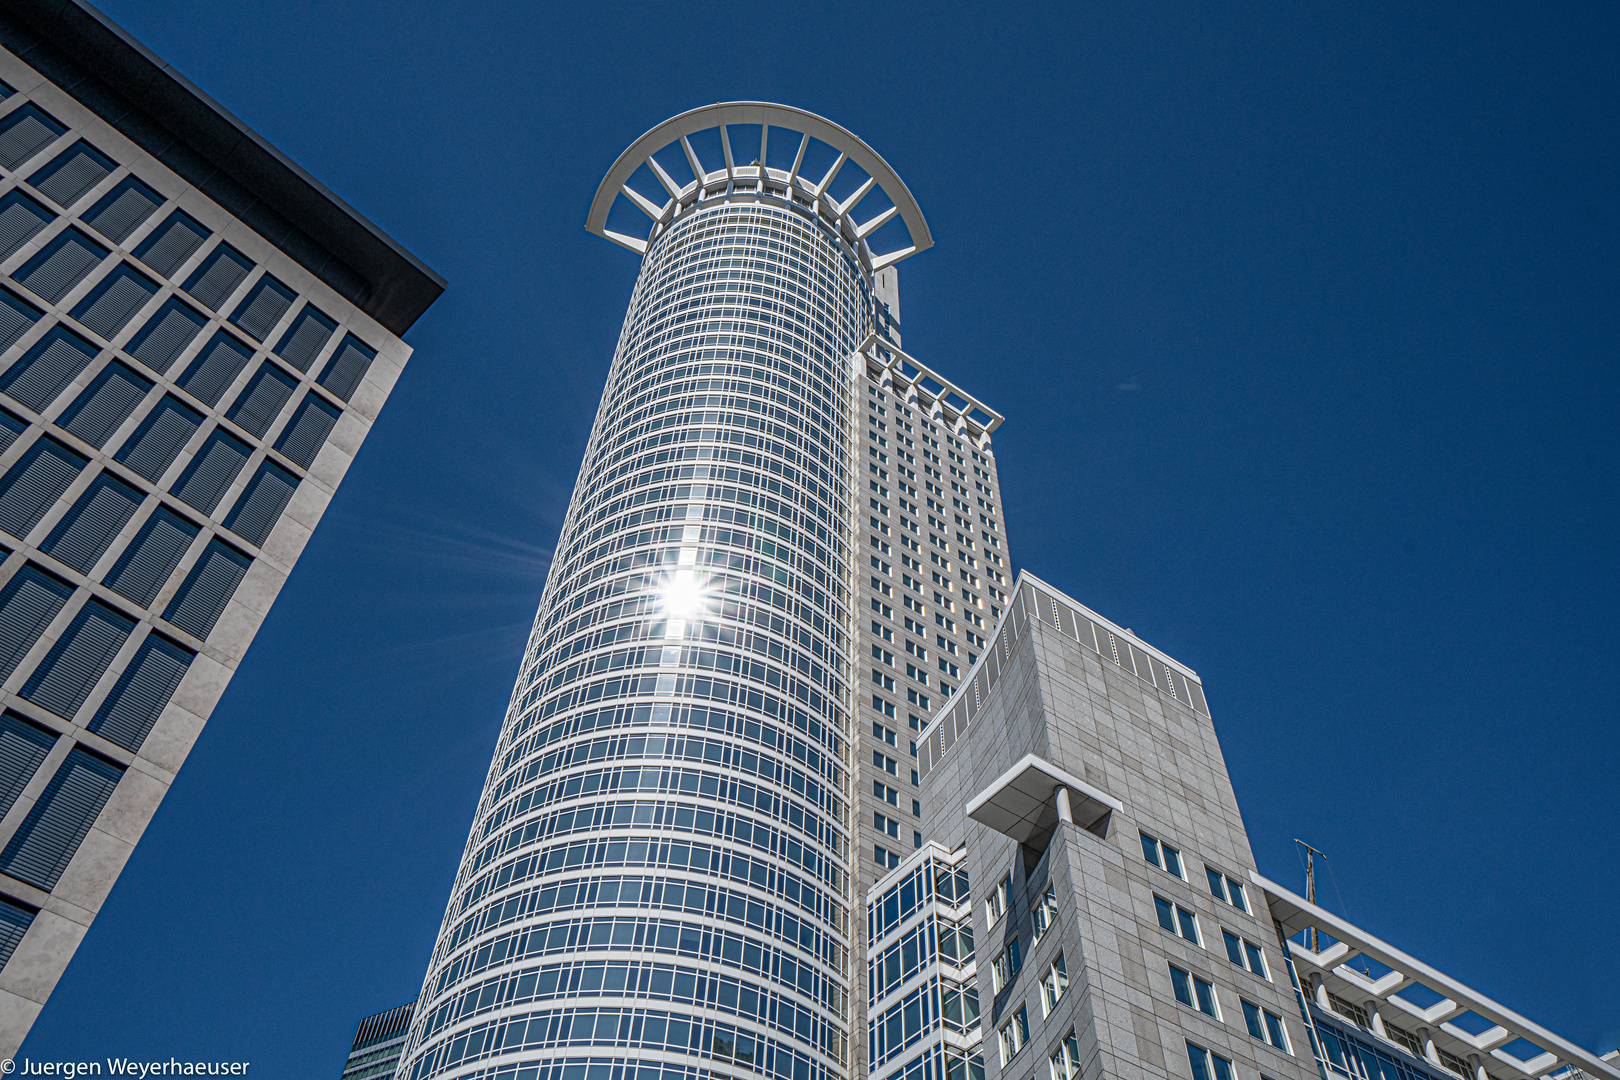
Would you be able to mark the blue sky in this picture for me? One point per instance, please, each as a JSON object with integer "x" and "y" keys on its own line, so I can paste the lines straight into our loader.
{"x": 1303, "y": 319}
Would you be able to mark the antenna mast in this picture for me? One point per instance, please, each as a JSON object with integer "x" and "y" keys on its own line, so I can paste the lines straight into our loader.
{"x": 1310, "y": 886}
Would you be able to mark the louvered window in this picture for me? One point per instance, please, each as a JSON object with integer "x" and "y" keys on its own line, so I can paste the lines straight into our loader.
{"x": 212, "y": 471}
{"x": 34, "y": 483}
{"x": 115, "y": 301}
{"x": 123, "y": 209}
{"x": 347, "y": 367}
{"x": 160, "y": 438}
{"x": 70, "y": 175}
{"x": 10, "y": 428}
{"x": 25, "y": 132}
{"x": 215, "y": 368}
{"x": 83, "y": 536}
{"x": 28, "y": 603}
{"x": 23, "y": 746}
{"x": 172, "y": 243}
{"x": 219, "y": 275}
{"x": 209, "y": 587}
{"x": 62, "y": 264}
{"x": 142, "y": 570}
{"x": 263, "y": 308}
{"x": 110, "y": 399}
{"x": 21, "y": 219}
{"x": 142, "y": 691}
{"x": 263, "y": 400}
{"x": 305, "y": 339}
{"x": 165, "y": 336}
{"x": 15, "y": 919}
{"x": 307, "y": 432}
{"x": 260, "y": 506}
{"x": 78, "y": 659}
{"x": 58, "y": 823}
{"x": 46, "y": 369}
{"x": 16, "y": 316}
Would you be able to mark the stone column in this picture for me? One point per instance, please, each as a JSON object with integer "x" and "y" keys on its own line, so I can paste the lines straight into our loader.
{"x": 1377, "y": 1021}
{"x": 1064, "y": 812}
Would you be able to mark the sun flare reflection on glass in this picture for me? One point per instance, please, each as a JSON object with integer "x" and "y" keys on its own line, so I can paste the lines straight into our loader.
{"x": 682, "y": 595}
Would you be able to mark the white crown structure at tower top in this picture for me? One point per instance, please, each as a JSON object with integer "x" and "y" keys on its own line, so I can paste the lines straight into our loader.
{"x": 781, "y": 552}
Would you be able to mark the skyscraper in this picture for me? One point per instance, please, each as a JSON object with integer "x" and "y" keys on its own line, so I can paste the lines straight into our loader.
{"x": 709, "y": 747}
{"x": 378, "y": 1041}
{"x": 195, "y": 338}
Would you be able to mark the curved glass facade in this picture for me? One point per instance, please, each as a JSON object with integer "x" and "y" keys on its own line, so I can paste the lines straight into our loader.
{"x": 657, "y": 880}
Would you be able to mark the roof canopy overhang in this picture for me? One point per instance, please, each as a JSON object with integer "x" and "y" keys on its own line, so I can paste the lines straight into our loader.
{"x": 1023, "y": 803}
{"x": 855, "y": 217}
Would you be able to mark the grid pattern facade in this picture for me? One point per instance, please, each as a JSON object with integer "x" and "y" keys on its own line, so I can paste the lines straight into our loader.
{"x": 931, "y": 577}
{"x": 178, "y": 402}
{"x": 659, "y": 870}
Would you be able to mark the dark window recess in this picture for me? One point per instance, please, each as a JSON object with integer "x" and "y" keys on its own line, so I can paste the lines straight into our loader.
{"x": 56, "y": 826}
{"x": 261, "y": 402}
{"x": 347, "y": 367}
{"x": 260, "y": 506}
{"x": 212, "y": 471}
{"x": 115, "y": 301}
{"x": 142, "y": 691}
{"x": 15, "y": 919}
{"x": 10, "y": 428}
{"x": 123, "y": 210}
{"x": 21, "y": 219}
{"x": 160, "y": 438}
{"x": 142, "y": 570}
{"x": 26, "y": 132}
{"x": 165, "y": 336}
{"x": 47, "y": 369}
{"x": 78, "y": 659}
{"x": 174, "y": 241}
{"x": 264, "y": 307}
{"x": 69, "y": 176}
{"x": 28, "y": 603}
{"x": 110, "y": 399}
{"x": 307, "y": 432}
{"x": 23, "y": 747}
{"x": 82, "y": 537}
{"x": 35, "y": 482}
{"x": 208, "y": 588}
{"x": 217, "y": 278}
{"x": 5, "y": 90}
{"x": 305, "y": 339}
{"x": 16, "y": 317}
{"x": 215, "y": 368}
{"x": 62, "y": 264}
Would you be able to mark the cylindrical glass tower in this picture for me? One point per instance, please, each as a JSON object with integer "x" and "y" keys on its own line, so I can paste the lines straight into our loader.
{"x": 657, "y": 883}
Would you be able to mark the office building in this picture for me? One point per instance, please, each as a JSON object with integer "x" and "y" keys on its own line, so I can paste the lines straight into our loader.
{"x": 1087, "y": 904}
{"x": 378, "y": 1041}
{"x": 790, "y": 751}
{"x": 195, "y": 338}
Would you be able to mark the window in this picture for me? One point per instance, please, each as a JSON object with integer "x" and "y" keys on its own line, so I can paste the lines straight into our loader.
{"x": 169, "y": 245}
{"x": 69, "y": 176}
{"x": 25, "y": 132}
{"x": 165, "y": 336}
{"x": 32, "y": 486}
{"x": 208, "y": 589}
{"x": 110, "y": 400}
{"x": 1266, "y": 1026}
{"x": 886, "y": 825}
{"x": 144, "y": 567}
{"x": 16, "y": 316}
{"x": 50, "y": 834}
{"x": 307, "y": 432}
{"x": 23, "y": 746}
{"x": 21, "y": 219}
{"x": 47, "y": 369}
{"x": 1177, "y": 919}
{"x": 1014, "y": 1035}
{"x": 115, "y": 301}
{"x": 1245, "y": 954}
{"x": 217, "y": 278}
{"x": 261, "y": 504}
{"x": 1044, "y": 911}
{"x": 307, "y": 336}
{"x": 160, "y": 438}
{"x": 215, "y": 368}
{"x": 347, "y": 367}
{"x": 1007, "y": 964}
{"x": 996, "y": 903}
{"x": 1162, "y": 855}
{"x": 262, "y": 400}
{"x": 142, "y": 691}
{"x": 123, "y": 210}
{"x": 1195, "y": 992}
{"x": 78, "y": 659}
{"x": 263, "y": 308}
{"x": 1066, "y": 1061}
{"x": 212, "y": 471}
{"x": 1208, "y": 1066}
{"x": 63, "y": 263}
{"x": 1228, "y": 889}
{"x": 1053, "y": 985}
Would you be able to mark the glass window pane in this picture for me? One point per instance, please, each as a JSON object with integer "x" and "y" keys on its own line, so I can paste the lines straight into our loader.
{"x": 1238, "y": 899}
{"x": 1257, "y": 962}
{"x": 1206, "y": 996}
{"x": 1274, "y": 1028}
{"x": 1217, "y": 885}
{"x": 1251, "y": 1017}
{"x": 1189, "y": 924}
{"x": 1167, "y": 918}
{"x": 1234, "y": 948}
{"x": 1150, "y": 849}
{"x": 1198, "y": 1058}
{"x": 1172, "y": 861}
{"x": 1223, "y": 1069}
{"x": 1183, "y": 985}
